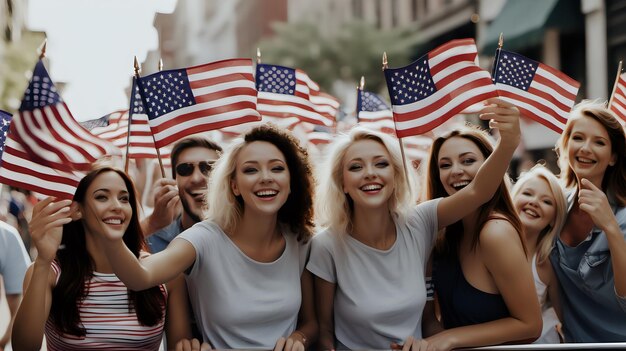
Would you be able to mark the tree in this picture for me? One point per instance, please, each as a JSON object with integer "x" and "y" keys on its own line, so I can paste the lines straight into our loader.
{"x": 354, "y": 51}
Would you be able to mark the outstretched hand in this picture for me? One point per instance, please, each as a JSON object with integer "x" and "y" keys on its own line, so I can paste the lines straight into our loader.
{"x": 46, "y": 226}
{"x": 503, "y": 116}
{"x": 292, "y": 343}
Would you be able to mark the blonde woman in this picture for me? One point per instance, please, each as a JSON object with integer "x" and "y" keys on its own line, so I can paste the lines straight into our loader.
{"x": 540, "y": 203}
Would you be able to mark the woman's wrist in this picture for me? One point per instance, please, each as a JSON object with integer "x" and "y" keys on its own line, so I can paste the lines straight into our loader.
{"x": 301, "y": 337}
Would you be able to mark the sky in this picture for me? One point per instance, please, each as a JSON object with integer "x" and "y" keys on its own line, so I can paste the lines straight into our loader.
{"x": 91, "y": 45}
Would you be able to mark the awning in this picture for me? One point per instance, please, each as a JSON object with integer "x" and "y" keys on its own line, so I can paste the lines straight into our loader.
{"x": 523, "y": 22}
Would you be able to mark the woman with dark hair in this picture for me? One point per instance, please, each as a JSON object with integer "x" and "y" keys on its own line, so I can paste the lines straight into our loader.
{"x": 482, "y": 279}
{"x": 71, "y": 293}
{"x": 589, "y": 254}
{"x": 369, "y": 259}
{"x": 245, "y": 264}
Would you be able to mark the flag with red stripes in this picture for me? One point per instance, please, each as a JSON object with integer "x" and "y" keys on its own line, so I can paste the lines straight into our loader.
{"x": 436, "y": 87}
{"x": 286, "y": 92}
{"x": 46, "y": 130}
{"x": 541, "y": 92}
{"x": 618, "y": 101}
{"x": 197, "y": 99}
{"x": 373, "y": 113}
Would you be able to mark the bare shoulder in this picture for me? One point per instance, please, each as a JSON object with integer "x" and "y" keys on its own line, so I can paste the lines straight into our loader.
{"x": 498, "y": 231}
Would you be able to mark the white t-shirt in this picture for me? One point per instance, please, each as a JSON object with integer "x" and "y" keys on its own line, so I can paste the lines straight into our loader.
{"x": 549, "y": 334}
{"x": 14, "y": 259}
{"x": 380, "y": 295}
{"x": 240, "y": 303}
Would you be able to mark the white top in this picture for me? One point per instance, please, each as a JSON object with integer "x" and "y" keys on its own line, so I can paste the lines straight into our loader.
{"x": 240, "y": 303}
{"x": 380, "y": 295}
{"x": 14, "y": 260}
{"x": 549, "y": 334}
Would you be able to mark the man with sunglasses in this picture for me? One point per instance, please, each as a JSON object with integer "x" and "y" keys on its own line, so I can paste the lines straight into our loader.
{"x": 192, "y": 162}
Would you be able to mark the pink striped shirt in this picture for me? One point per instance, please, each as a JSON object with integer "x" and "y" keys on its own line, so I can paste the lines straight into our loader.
{"x": 105, "y": 315}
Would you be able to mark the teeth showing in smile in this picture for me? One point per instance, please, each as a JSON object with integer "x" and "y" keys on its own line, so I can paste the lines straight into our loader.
{"x": 266, "y": 193}
{"x": 371, "y": 187}
{"x": 531, "y": 213}
{"x": 113, "y": 221}
{"x": 585, "y": 160}
{"x": 460, "y": 185}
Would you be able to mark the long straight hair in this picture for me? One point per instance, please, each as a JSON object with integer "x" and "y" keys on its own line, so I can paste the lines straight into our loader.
{"x": 77, "y": 267}
{"x": 449, "y": 241}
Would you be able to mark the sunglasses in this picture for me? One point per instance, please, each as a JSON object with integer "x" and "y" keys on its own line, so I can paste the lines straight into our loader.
{"x": 186, "y": 169}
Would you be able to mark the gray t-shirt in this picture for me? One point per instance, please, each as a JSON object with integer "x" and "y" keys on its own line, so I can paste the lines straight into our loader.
{"x": 13, "y": 259}
{"x": 380, "y": 295}
{"x": 240, "y": 303}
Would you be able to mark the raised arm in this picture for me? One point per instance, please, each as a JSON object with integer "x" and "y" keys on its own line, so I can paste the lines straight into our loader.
{"x": 503, "y": 255}
{"x": 153, "y": 270}
{"x": 46, "y": 228}
{"x": 505, "y": 117}
{"x": 166, "y": 206}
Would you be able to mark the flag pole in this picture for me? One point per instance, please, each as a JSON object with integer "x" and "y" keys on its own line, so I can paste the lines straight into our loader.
{"x": 42, "y": 49}
{"x": 143, "y": 101}
{"x": 406, "y": 172}
{"x": 258, "y": 55}
{"x": 359, "y": 89}
{"x": 130, "y": 116}
{"x": 619, "y": 72}
{"x": 496, "y": 58}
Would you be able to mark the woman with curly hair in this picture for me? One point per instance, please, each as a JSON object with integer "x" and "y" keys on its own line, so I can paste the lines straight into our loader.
{"x": 245, "y": 263}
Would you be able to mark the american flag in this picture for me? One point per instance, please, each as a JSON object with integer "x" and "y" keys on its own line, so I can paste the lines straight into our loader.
{"x": 541, "y": 92}
{"x": 5, "y": 122}
{"x": 618, "y": 101}
{"x": 49, "y": 134}
{"x": 287, "y": 92}
{"x": 372, "y": 112}
{"x": 114, "y": 128}
{"x": 437, "y": 86}
{"x": 18, "y": 169}
{"x": 198, "y": 99}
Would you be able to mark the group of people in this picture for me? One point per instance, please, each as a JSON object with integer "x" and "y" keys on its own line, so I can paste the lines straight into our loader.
{"x": 357, "y": 254}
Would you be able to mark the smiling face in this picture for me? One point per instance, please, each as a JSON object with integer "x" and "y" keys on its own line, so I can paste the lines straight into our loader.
{"x": 107, "y": 205}
{"x": 589, "y": 150}
{"x": 536, "y": 206}
{"x": 458, "y": 161}
{"x": 368, "y": 176}
{"x": 192, "y": 188}
{"x": 261, "y": 178}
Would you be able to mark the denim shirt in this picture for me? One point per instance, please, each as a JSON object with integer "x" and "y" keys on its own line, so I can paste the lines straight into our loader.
{"x": 592, "y": 310}
{"x": 162, "y": 237}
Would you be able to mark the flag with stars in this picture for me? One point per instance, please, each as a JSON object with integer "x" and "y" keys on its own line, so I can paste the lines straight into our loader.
{"x": 5, "y": 122}
{"x": 373, "y": 112}
{"x": 618, "y": 100}
{"x": 286, "y": 92}
{"x": 436, "y": 87}
{"x": 49, "y": 133}
{"x": 541, "y": 92}
{"x": 187, "y": 101}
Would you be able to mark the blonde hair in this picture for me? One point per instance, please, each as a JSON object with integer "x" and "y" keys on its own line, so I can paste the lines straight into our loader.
{"x": 333, "y": 206}
{"x": 614, "y": 181}
{"x": 545, "y": 240}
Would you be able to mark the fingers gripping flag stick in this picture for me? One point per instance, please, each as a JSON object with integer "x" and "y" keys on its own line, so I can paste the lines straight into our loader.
{"x": 539, "y": 91}
{"x": 198, "y": 99}
{"x": 436, "y": 87}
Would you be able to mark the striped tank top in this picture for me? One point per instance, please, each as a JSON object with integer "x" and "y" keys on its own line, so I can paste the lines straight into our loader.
{"x": 105, "y": 315}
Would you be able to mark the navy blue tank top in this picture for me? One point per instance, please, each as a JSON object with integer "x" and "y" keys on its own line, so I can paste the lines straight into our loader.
{"x": 462, "y": 304}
